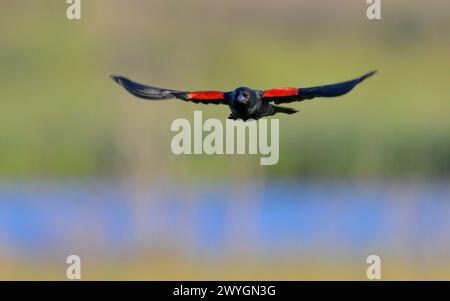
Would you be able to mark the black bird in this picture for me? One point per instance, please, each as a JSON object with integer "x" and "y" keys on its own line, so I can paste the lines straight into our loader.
{"x": 244, "y": 103}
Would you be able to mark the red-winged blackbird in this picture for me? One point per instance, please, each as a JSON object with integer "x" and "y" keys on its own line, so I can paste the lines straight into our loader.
{"x": 244, "y": 103}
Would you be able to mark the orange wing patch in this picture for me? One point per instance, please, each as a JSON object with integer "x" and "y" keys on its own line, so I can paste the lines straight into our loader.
{"x": 280, "y": 92}
{"x": 206, "y": 95}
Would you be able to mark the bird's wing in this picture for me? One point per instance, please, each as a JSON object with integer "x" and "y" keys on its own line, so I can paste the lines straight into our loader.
{"x": 154, "y": 93}
{"x": 285, "y": 95}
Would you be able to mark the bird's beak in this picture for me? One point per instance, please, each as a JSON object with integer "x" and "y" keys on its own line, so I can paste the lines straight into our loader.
{"x": 242, "y": 99}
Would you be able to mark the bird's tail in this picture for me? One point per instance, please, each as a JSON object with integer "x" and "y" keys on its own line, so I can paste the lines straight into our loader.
{"x": 278, "y": 109}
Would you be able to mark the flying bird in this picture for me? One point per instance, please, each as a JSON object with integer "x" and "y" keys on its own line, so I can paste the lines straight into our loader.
{"x": 244, "y": 103}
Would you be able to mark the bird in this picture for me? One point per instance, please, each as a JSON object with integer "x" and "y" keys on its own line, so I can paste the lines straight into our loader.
{"x": 244, "y": 103}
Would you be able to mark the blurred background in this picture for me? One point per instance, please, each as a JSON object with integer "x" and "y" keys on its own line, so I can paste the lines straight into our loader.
{"x": 86, "y": 169}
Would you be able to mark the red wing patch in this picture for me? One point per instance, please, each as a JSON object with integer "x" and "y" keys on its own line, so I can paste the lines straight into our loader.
{"x": 206, "y": 95}
{"x": 280, "y": 92}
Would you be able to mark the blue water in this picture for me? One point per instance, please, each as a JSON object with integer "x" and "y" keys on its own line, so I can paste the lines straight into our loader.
{"x": 298, "y": 215}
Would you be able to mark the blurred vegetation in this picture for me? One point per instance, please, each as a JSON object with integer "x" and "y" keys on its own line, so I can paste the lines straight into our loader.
{"x": 174, "y": 266}
{"x": 61, "y": 115}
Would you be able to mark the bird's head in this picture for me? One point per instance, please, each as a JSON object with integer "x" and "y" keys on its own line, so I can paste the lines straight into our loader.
{"x": 244, "y": 95}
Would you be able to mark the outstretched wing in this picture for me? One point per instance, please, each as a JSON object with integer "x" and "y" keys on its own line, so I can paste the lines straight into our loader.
{"x": 154, "y": 93}
{"x": 285, "y": 95}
